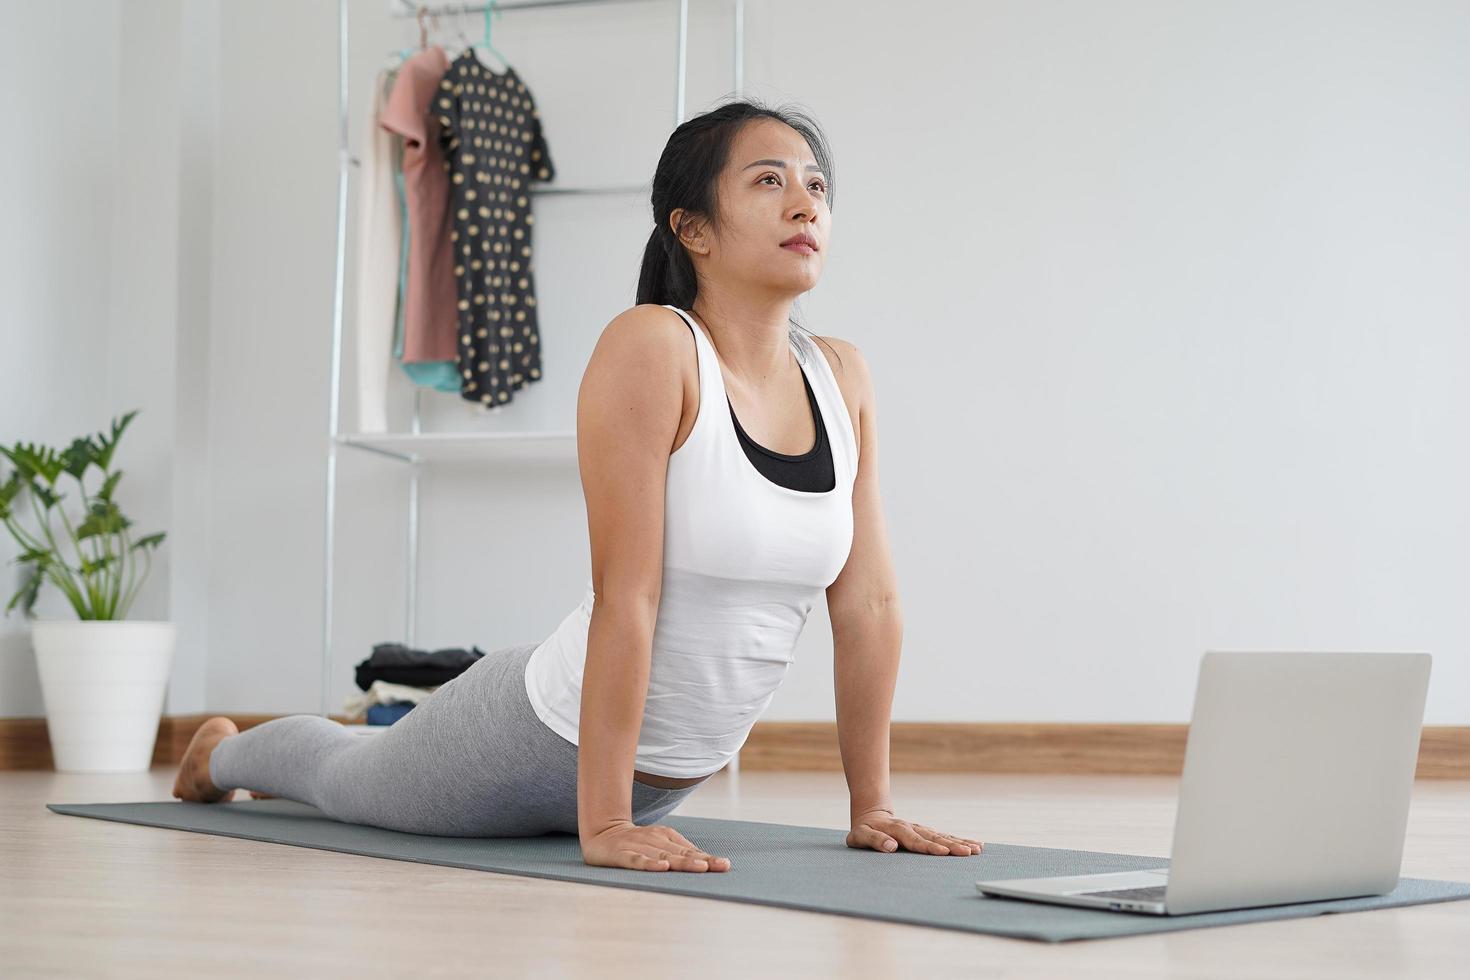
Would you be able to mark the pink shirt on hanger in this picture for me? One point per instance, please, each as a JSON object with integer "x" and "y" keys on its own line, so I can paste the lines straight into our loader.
{"x": 431, "y": 302}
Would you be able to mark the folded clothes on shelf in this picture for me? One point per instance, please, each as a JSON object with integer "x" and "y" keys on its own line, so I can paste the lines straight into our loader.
{"x": 399, "y": 664}
{"x": 383, "y": 693}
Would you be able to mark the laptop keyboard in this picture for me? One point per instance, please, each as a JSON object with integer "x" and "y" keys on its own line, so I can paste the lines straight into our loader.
{"x": 1153, "y": 893}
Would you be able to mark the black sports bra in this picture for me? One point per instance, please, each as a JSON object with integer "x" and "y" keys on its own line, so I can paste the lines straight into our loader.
{"x": 812, "y": 471}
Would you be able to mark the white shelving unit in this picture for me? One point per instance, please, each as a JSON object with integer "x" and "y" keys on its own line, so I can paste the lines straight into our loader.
{"x": 489, "y": 447}
{"x": 416, "y": 447}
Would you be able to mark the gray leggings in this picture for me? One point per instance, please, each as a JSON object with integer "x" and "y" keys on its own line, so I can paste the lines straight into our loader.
{"x": 470, "y": 760}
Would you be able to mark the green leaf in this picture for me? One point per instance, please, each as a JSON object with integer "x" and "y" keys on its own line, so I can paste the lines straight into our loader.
{"x": 107, "y": 487}
{"x": 106, "y": 445}
{"x": 92, "y": 566}
{"x": 104, "y": 518}
{"x": 27, "y": 594}
{"x": 151, "y": 541}
{"x": 76, "y": 458}
{"x": 9, "y": 490}
{"x": 34, "y": 460}
{"x": 45, "y": 495}
{"x": 42, "y": 558}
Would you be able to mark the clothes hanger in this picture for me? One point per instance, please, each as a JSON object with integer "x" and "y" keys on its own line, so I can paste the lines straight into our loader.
{"x": 396, "y": 57}
{"x": 504, "y": 61}
{"x": 464, "y": 41}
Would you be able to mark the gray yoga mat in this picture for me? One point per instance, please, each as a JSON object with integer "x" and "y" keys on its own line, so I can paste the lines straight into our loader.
{"x": 784, "y": 865}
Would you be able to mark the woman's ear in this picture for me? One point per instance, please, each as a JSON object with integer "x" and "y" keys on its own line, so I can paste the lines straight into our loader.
{"x": 688, "y": 230}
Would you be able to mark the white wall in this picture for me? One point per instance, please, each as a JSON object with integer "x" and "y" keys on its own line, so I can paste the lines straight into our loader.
{"x": 103, "y": 239}
{"x": 58, "y": 186}
{"x": 1164, "y": 305}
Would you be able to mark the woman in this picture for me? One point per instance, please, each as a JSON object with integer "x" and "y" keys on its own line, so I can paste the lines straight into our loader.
{"x": 711, "y": 540}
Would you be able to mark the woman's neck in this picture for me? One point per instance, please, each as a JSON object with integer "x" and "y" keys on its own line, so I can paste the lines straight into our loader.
{"x": 752, "y": 339}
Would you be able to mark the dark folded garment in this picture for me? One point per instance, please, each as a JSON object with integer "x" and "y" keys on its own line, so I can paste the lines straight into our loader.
{"x": 395, "y": 663}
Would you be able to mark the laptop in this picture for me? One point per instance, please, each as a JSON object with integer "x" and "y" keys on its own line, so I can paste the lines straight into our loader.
{"x": 1297, "y": 773}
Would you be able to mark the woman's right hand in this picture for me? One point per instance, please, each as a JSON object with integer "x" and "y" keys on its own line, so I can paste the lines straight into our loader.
{"x": 651, "y": 848}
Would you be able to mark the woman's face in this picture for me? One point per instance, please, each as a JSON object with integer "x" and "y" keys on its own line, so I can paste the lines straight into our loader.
{"x": 769, "y": 191}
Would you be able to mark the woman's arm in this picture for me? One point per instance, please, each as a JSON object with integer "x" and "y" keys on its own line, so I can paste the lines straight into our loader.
{"x": 628, "y": 413}
{"x": 867, "y": 623}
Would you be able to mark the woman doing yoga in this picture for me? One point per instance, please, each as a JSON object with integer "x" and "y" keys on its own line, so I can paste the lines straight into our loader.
{"x": 727, "y": 488}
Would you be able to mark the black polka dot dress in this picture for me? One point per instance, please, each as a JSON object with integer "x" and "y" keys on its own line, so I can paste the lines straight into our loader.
{"x": 493, "y": 148}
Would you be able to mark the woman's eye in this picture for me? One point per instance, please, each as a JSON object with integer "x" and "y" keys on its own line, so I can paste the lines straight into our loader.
{"x": 816, "y": 183}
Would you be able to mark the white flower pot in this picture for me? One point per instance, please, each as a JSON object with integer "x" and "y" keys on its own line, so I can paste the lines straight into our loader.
{"x": 103, "y": 682}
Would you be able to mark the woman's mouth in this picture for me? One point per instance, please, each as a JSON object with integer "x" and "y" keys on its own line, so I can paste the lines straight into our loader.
{"x": 802, "y": 247}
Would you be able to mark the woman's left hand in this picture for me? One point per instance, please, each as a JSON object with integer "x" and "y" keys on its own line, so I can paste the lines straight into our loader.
{"x": 882, "y": 831}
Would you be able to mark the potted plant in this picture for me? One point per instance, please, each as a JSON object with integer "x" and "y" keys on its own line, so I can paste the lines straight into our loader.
{"x": 102, "y": 679}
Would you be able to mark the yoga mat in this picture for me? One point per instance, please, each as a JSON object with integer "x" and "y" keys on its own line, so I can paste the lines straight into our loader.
{"x": 784, "y": 865}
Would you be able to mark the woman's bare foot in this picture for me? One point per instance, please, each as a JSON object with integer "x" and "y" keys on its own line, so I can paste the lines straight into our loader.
{"x": 193, "y": 782}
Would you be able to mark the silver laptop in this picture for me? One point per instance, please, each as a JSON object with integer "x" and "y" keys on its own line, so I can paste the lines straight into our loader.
{"x": 1297, "y": 774}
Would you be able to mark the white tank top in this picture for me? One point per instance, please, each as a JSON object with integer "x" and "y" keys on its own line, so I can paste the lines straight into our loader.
{"x": 745, "y": 560}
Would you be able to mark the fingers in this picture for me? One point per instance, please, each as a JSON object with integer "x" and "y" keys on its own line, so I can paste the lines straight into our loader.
{"x": 916, "y": 841}
{"x": 678, "y": 854}
{"x": 681, "y": 859}
{"x": 876, "y": 839}
{"x": 956, "y": 845}
{"x": 872, "y": 837}
{"x": 639, "y": 861}
{"x": 712, "y": 862}
{"x": 915, "y": 837}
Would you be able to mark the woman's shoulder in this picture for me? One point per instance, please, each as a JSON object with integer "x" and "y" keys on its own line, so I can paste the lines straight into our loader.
{"x": 847, "y": 351}
{"x": 643, "y": 347}
{"x": 848, "y": 365}
{"x": 647, "y": 323}
{"x": 850, "y": 369}
{"x": 646, "y": 327}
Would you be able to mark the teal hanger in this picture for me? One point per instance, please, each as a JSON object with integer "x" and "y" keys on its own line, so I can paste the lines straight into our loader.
{"x": 489, "y": 9}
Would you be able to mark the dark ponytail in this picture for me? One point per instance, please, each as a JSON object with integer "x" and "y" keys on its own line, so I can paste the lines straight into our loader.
{"x": 687, "y": 176}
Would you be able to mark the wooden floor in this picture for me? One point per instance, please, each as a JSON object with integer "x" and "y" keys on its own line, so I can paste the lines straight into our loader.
{"x": 95, "y": 898}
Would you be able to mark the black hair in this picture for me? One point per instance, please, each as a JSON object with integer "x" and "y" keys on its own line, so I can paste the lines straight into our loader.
{"x": 687, "y": 176}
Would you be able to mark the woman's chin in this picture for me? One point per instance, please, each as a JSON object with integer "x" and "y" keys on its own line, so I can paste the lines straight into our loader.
{"x": 796, "y": 285}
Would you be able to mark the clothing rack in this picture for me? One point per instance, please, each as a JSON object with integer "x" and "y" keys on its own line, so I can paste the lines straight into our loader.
{"x": 417, "y": 447}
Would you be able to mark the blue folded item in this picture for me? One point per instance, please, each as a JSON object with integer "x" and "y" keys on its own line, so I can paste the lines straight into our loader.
{"x": 387, "y": 714}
